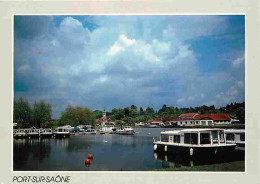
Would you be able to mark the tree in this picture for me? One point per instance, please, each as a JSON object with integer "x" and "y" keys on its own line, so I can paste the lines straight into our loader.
{"x": 98, "y": 114}
{"x": 149, "y": 110}
{"x": 41, "y": 113}
{"x": 22, "y": 112}
{"x": 77, "y": 116}
{"x": 141, "y": 111}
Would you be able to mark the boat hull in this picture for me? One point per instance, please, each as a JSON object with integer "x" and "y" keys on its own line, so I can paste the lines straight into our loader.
{"x": 192, "y": 151}
{"x": 33, "y": 135}
{"x": 60, "y": 135}
{"x": 46, "y": 135}
{"x": 20, "y": 136}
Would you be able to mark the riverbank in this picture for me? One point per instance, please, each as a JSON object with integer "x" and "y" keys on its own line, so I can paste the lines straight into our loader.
{"x": 236, "y": 166}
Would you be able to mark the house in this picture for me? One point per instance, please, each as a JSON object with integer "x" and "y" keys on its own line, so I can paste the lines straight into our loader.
{"x": 195, "y": 119}
{"x": 104, "y": 120}
{"x": 156, "y": 122}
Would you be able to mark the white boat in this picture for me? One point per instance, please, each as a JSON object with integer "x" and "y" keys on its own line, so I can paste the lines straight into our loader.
{"x": 236, "y": 136}
{"x": 127, "y": 130}
{"x": 90, "y": 131}
{"x": 102, "y": 130}
{"x": 46, "y": 133}
{"x": 33, "y": 133}
{"x": 62, "y": 132}
{"x": 194, "y": 142}
{"x": 20, "y": 133}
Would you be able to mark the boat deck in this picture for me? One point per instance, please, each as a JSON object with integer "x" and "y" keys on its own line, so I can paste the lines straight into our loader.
{"x": 193, "y": 145}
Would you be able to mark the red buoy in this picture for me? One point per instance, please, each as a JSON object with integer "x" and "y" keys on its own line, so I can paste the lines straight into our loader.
{"x": 87, "y": 165}
{"x": 87, "y": 161}
{"x": 90, "y": 156}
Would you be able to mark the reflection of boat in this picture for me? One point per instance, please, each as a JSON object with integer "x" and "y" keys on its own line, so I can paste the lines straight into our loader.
{"x": 194, "y": 142}
{"x": 127, "y": 130}
{"x": 236, "y": 136}
{"x": 33, "y": 133}
{"x": 62, "y": 132}
{"x": 46, "y": 133}
{"x": 20, "y": 133}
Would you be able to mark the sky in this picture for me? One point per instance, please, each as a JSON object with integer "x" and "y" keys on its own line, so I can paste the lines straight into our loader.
{"x": 116, "y": 61}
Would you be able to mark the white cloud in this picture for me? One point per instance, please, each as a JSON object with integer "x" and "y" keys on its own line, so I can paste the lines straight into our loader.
{"x": 238, "y": 62}
{"x": 143, "y": 61}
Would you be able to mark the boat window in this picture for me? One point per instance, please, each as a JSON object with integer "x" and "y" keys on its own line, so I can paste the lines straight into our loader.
{"x": 230, "y": 137}
{"x": 242, "y": 137}
{"x": 176, "y": 138}
{"x": 190, "y": 138}
{"x": 214, "y": 134}
{"x": 164, "y": 138}
{"x": 204, "y": 138}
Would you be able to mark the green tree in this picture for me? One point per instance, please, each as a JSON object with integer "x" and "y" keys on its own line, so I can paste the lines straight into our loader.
{"x": 22, "y": 112}
{"x": 149, "y": 111}
{"x": 41, "y": 113}
{"x": 77, "y": 116}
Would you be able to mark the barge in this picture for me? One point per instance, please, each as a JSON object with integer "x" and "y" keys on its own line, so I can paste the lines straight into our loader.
{"x": 61, "y": 132}
{"x": 194, "y": 142}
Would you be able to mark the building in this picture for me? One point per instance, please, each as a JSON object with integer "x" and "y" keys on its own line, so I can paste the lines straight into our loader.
{"x": 195, "y": 119}
{"x": 156, "y": 122}
{"x": 104, "y": 120}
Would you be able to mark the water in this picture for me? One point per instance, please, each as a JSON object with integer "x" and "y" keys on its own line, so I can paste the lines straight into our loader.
{"x": 111, "y": 153}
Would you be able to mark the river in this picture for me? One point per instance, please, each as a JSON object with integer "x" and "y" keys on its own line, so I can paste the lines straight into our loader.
{"x": 111, "y": 153}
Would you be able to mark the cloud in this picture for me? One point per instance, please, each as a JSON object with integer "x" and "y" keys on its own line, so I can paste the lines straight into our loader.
{"x": 124, "y": 60}
{"x": 238, "y": 62}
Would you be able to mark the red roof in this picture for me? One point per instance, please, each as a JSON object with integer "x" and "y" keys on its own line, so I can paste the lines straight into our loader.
{"x": 220, "y": 117}
{"x": 215, "y": 117}
{"x": 155, "y": 120}
{"x": 99, "y": 121}
{"x": 172, "y": 119}
{"x": 186, "y": 115}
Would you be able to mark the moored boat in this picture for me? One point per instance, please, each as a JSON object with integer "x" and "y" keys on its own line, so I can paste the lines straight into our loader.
{"x": 127, "y": 130}
{"x": 46, "y": 133}
{"x": 61, "y": 132}
{"x": 20, "y": 133}
{"x": 194, "y": 142}
{"x": 33, "y": 133}
{"x": 236, "y": 136}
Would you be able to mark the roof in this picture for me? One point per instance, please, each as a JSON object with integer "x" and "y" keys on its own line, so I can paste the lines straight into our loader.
{"x": 215, "y": 117}
{"x": 190, "y": 130}
{"x": 172, "y": 119}
{"x": 187, "y": 115}
{"x": 220, "y": 117}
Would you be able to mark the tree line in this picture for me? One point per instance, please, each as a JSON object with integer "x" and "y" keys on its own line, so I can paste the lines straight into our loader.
{"x": 40, "y": 113}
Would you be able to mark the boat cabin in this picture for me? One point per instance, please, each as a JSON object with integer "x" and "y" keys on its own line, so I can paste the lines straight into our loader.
{"x": 194, "y": 136}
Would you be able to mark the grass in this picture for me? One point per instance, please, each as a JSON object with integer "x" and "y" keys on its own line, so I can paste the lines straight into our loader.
{"x": 229, "y": 166}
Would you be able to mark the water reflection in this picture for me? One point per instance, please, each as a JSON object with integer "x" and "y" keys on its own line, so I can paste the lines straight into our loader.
{"x": 64, "y": 142}
{"x": 30, "y": 149}
{"x": 111, "y": 153}
{"x": 178, "y": 160}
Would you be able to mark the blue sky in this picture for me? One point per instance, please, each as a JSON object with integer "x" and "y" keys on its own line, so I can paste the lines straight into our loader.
{"x": 117, "y": 61}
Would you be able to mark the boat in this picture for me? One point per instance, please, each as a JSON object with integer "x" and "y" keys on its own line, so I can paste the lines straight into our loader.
{"x": 127, "y": 130}
{"x": 20, "y": 133}
{"x": 90, "y": 131}
{"x": 102, "y": 130}
{"x": 44, "y": 133}
{"x": 33, "y": 133}
{"x": 236, "y": 136}
{"x": 194, "y": 142}
{"x": 62, "y": 132}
